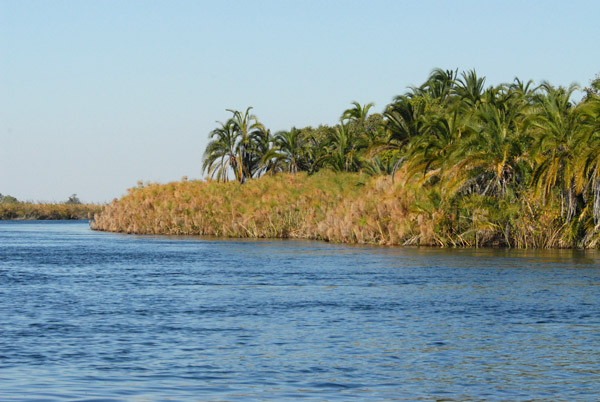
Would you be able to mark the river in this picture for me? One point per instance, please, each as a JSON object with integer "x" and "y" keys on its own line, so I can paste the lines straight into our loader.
{"x": 90, "y": 316}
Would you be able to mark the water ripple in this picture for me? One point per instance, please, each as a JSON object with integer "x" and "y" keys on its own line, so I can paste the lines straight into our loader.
{"x": 101, "y": 317}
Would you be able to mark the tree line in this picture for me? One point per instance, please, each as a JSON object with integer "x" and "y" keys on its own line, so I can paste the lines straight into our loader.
{"x": 472, "y": 151}
{"x": 9, "y": 199}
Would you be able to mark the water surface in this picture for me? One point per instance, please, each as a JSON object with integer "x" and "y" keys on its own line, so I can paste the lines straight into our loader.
{"x": 88, "y": 316}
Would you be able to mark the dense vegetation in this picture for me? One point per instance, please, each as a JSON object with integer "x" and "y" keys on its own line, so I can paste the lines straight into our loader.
{"x": 12, "y": 208}
{"x": 452, "y": 163}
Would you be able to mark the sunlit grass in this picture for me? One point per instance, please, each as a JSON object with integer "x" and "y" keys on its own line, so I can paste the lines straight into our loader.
{"x": 336, "y": 207}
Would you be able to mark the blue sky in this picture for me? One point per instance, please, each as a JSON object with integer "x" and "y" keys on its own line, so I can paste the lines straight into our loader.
{"x": 97, "y": 95}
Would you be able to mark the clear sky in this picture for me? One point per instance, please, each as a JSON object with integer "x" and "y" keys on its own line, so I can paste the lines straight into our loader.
{"x": 97, "y": 95}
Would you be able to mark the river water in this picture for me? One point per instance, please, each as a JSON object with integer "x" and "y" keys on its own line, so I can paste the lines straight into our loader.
{"x": 89, "y": 316}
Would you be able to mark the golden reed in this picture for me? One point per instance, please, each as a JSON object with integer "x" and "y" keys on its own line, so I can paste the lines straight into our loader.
{"x": 336, "y": 207}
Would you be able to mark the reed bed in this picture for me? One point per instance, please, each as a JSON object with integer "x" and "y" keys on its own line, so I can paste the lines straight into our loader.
{"x": 338, "y": 207}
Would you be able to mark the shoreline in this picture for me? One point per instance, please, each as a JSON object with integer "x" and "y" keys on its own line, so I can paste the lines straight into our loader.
{"x": 345, "y": 208}
{"x": 29, "y": 211}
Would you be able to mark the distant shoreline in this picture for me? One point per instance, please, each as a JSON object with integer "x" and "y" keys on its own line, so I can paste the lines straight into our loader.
{"x": 30, "y": 211}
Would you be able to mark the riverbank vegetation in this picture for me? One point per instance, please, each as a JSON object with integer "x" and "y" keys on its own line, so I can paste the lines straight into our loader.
{"x": 13, "y": 209}
{"x": 448, "y": 163}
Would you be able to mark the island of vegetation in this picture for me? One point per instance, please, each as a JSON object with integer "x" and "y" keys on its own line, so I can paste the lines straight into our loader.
{"x": 448, "y": 163}
{"x": 13, "y": 209}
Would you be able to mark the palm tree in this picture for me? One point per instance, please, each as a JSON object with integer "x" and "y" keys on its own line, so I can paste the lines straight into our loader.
{"x": 316, "y": 146}
{"x": 470, "y": 88}
{"x": 490, "y": 158}
{"x": 556, "y": 140}
{"x": 587, "y": 168}
{"x": 251, "y": 140}
{"x": 403, "y": 120}
{"x": 429, "y": 154}
{"x": 439, "y": 86}
{"x": 220, "y": 155}
{"x": 525, "y": 89}
{"x": 341, "y": 150}
{"x": 238, "y": 145}
{"x": 291, "y": 144}
{"x": 357, "y": 113}
{"x": 261, "y": 143}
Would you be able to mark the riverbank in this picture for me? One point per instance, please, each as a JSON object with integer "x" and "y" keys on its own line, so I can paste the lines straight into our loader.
{"x": 29, "y": 211}
{"x": 340, "y": 207}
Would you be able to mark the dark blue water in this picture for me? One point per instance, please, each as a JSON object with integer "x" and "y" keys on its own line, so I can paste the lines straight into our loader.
{"x": 93, "y": 316}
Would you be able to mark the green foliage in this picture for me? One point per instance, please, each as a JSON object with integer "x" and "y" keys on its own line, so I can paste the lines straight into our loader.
{"x": 593, "y": 90}
{"x": 451, "y": 163}
{"x": 237, "y": 146}
{"x": 8, "y": 199}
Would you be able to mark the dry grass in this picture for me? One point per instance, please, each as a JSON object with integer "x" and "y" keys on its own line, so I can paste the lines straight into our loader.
{"x": 336, "y": 207}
